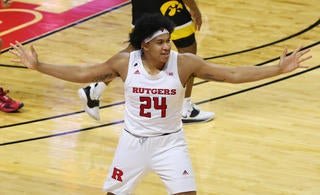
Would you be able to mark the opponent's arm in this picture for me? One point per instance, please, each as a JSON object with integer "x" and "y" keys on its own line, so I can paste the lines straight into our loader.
{"x": 195, "y": 13}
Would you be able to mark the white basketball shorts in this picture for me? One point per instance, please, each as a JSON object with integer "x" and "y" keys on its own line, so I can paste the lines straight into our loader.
{"x": 166, "y": 155}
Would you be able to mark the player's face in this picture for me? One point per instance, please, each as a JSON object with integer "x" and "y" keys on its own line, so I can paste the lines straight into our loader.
{"x": 160, "y": 47}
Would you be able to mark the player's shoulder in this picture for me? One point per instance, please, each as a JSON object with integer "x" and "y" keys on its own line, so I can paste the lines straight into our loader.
{"x": 118, "y": 60}
{"x": 121, "y": 56}
{"x": 187, "y": 57}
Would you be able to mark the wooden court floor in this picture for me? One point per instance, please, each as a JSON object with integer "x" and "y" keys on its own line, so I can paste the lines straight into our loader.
{"x": 265, "y": 138}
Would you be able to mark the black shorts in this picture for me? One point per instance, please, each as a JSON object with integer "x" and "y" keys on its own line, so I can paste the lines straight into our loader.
{"x": 185, "y": 42}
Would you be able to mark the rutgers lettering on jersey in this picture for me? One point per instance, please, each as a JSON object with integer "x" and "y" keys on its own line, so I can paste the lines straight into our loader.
{"x": 141, "y": 90}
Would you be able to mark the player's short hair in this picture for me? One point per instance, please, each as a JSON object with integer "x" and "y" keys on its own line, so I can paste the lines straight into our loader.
{"x": 146, "y": 26}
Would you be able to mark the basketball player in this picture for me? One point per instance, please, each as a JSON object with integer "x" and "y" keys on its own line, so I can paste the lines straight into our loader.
{"x": 154, "y": 78}
{"x": 7, "y": 104}
{"x": 184, "y": 39}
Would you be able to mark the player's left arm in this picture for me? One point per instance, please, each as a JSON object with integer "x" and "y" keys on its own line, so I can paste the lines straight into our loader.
{"x": 213, "y": 72}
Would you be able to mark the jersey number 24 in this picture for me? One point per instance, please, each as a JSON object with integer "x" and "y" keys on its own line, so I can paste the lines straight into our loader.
{"x": 158, "y": 103}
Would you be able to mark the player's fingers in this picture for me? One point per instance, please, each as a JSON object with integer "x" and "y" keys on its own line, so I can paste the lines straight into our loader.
{"x": 301, "y": 53}
{"x": 16, "y": 46}
{"x": 295, "y": 52}
{"x": 13, "y": 46}
{"x": 304, "y": 59}
{"x": 196, "y": 26}
{"x": 14, "y": 52}
{"x": 33, "y": 51}
{"x": 284, "y": 53}
{"x": 20, "y": 47}
{"x": 303, "y": 66}
{"x": 16, "y": 60}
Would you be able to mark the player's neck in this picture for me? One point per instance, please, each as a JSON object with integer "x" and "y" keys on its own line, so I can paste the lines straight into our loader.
{"x": 152, "y": 69}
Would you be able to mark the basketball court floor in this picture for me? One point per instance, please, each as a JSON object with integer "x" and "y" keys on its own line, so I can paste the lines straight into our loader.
{"x": 265, "y": 138}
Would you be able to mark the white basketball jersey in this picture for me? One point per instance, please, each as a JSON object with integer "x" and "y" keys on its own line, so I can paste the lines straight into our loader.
{"x": 153, "y": 103}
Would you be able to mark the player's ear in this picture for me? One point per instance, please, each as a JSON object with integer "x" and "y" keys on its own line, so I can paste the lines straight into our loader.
{"x": 144, "y": 46}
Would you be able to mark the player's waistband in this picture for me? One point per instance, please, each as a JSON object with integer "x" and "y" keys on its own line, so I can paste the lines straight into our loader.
{"x": 183, "y": 31}
{"x": 164, "y": 134}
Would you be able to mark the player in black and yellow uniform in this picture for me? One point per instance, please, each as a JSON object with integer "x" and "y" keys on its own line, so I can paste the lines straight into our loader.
{"x": 184, "y": 34}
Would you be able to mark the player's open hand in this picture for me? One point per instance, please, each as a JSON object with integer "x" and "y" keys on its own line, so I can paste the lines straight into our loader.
{"x": 29, "y": 58}
{"x": 293, "y": 61}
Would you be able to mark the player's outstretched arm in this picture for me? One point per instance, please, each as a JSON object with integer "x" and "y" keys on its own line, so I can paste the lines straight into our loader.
{"x": 243, "y": 74}
{"x": 74, "y": 73}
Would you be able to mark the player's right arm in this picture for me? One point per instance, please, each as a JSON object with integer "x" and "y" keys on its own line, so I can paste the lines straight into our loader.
{"x": 105, "y": 72}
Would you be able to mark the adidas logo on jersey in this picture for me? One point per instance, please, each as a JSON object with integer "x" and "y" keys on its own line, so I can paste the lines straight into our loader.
{"x": 185, "y": 172}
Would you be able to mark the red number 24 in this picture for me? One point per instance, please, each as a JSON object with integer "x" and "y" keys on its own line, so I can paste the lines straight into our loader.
{"x": 146, "y": 103}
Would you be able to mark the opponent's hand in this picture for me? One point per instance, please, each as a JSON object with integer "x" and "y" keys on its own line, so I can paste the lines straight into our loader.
{"x": 25, "y": 57}
{"x": 293, "y": 61}
{"x": 197, "y": 19}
